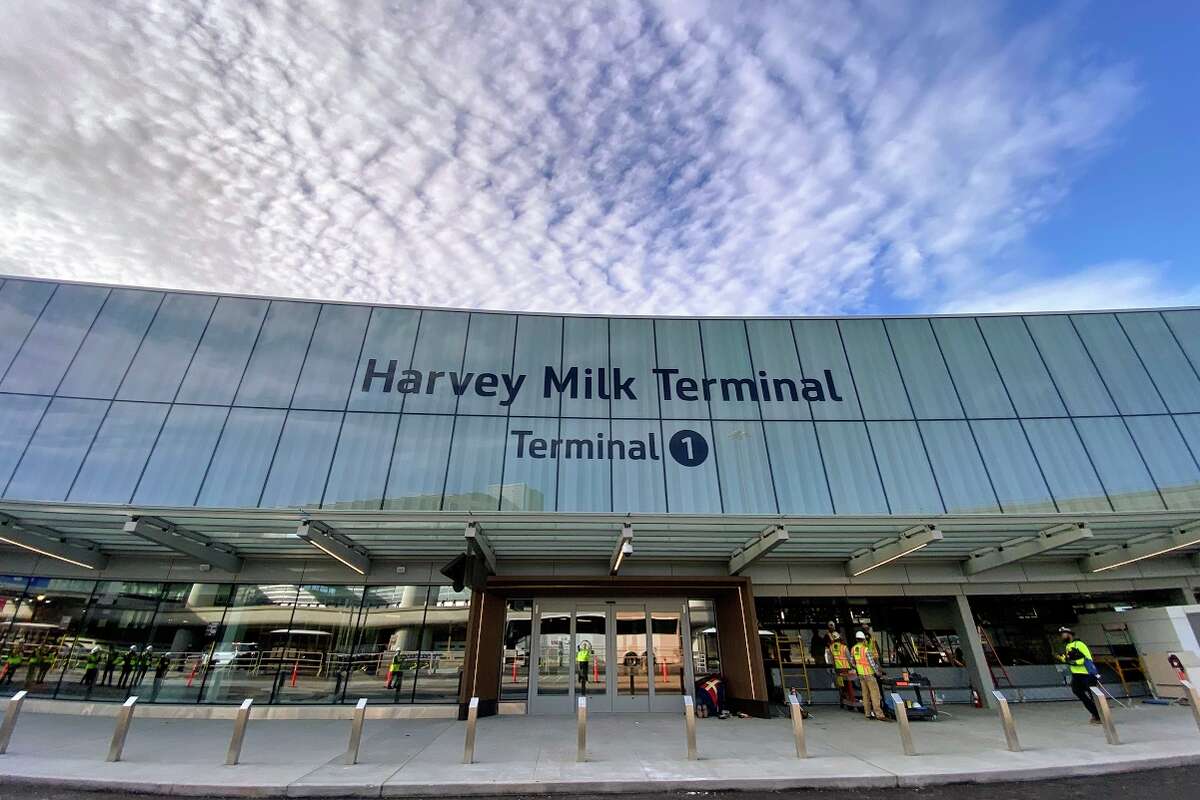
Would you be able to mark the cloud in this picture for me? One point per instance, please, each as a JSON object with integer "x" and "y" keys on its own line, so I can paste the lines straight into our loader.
{"x": 1120, "y": 284}
{"x": 605, "y": 157}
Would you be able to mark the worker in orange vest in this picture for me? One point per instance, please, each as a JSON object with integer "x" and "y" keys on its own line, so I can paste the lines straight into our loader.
{"x": 842, "y": 668}
{"x": 867, "y": 667}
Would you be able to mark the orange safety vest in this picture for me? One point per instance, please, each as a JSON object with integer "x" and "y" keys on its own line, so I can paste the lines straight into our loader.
{"x": 862, "y": 665}
{"x": 841, "y": 658}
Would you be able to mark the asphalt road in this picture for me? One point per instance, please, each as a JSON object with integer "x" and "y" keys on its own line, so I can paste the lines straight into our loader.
{"x": 1164, "y": 784}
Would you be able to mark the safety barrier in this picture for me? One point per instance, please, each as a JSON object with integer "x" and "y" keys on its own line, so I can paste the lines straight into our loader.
{"x": 1006, "y": 721}
{"x": 1106, "y": 719}
{"x": 581, "y": 730}
{"x": 472, "y": 719}
{"x": 1193, "y": 701}
{"x": 124, "y": 719}
{"x": 234, "y": 753}
{"x": 11, "y": 711}
{"x": 689, "y": 726}
{"x": 798, "y": 724}
{"x": 906, "y": 740}
{"x": 356, "y": 730}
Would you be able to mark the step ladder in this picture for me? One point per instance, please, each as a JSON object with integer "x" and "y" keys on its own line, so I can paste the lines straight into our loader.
{"x": 998, "y": 670}
{"x": 793, "y": 644}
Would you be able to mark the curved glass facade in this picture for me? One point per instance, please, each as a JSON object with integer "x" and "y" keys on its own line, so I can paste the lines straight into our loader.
{"x": 117, "y": 395}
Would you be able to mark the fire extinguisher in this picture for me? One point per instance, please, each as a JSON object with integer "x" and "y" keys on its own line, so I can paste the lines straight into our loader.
{"x": 976, "y": 700}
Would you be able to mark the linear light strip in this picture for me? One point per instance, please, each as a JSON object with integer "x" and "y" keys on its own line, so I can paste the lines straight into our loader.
{"x": 912, "y": 549}
{"x": 46, "y": 553}
{"x": 333, "y": 555}
{"x": 1143, "y": 557}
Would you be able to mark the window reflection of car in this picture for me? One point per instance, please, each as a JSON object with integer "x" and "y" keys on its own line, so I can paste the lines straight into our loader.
{"x": 243, "y": 654}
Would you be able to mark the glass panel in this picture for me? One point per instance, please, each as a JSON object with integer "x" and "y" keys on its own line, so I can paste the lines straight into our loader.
{"x": 514, "y": 666}
{"x": 591, "y": 651}
{"x": 958, "y": 467}
{"x": 746, "y": 486}
{"x": 631, "y": 343}
{"x": 850, "y": 464}
{"x": 443, "y": 646}
{"x": 475, "y": 472}
{"x": 904, "y": 467}
{"x": 440, "y": 344}
{"x": 113, "y": 655}
{"x": 489, "y": 358}
{"x": 677, "y": 343}
{"x": 692, "y": 468}
{"x": 799, "y": 474}
{"x": 1069, "y": 472}
{"x": 21, "y": 302}
{"x": 979, "y": 386}
{"x": 633, "y": 679}
{"x": 243, "y": 456}
{"x": 1069, "y": 364}
{"x": 385, "y": 658}
{"x": 391, "y": 335}
{"x": 668, "y": 652}
{"x": 1020, "y": 364}
{"x": 110, "y": 345}
{"x": 19, "y": 416}
{"x": 176, "y": 467}
{"x": 876, "y": 375}
{"x": 531, "y": 463}
{"x": 57, "y": 450}
{"x": 1015, "y": 474}
{"x": 1185, "y": 325}
{"x": 22, "y": 639}
{"x": 360, "y": 467}
{"x": 706, "y": 656}
{"x": 302, "y": 460}
{"x": 418, "y": 470}
{"x": 248, "y": 656}
{"x": 585, "y": 484}
{"x": 111, "y": 470}
{"x": 270, "y": 377}
{"x": 1117, "y": 460}
{"x": 57, "y": 608}
{"x": 727, "y": 358}
{"x": 585, "y": 347}
{"x": 167, "y": 350}
{"x": 1118, "y": 363}
{"x": 820, "y": 347}
{"x": 320, "y": 644}
{"x": 54, "y": 340}
{"x": 1169, "y": 460}
{"x": 539, "y": 345}
{"x": 220, "y": 360}
{"x": 1164, "y": 360}
{"x": 925, "y": 374}
{"x": 638, "y": 481}
{"x": 554, "y": 654}
{"x": 328, "y": 374}
{"x": 185, "y": 631}
{"x": 773, "y": 351}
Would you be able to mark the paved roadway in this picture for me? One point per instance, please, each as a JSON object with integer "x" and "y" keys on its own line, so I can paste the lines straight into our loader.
{"x": 1163, "y": 784}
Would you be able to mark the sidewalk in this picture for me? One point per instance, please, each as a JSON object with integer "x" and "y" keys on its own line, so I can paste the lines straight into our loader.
{"x": 628, "y": 752}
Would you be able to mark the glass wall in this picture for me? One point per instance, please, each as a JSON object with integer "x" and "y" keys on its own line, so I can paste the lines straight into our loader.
{"x": 223, "y": 643}
{"x": 130, "y": 396}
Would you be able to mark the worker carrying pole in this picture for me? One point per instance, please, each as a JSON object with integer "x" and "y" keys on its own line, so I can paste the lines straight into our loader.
{"x": 1084, "y": 674}
{"x": 867, "y": 667}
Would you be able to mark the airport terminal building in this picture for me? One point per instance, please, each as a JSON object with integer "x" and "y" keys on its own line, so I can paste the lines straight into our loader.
{"x": 206, "y": 498}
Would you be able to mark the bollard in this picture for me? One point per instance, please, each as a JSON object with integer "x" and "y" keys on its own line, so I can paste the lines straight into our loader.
{"x": 124, "y": 718}
{"x": 11, "y": 710}
{"x": 1006, "y": 720}
{"x": 239, "y": 733}
{"x": 356, "y": 728}
{"x": 1193, "y": 699}
{"x": 472, "y": 717}
{"x": 581, "y": 730}
{"x": 798, "y": 725}
{"x": 906, "y": 739}
{"x": 689, "y": 724}
{"x": 1110, "y": 729}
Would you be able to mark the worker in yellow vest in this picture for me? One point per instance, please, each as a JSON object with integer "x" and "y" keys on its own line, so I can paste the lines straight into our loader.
{"x": 1078, "y": 659}
{"x": 839, "y": 653}
{"x": 583, "y": 662}
{"x": 16, "y": 657}
{"x": 867, "y": 667}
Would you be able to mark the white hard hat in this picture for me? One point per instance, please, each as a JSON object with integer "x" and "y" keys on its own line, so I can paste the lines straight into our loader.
{"x": 860, "y": 635}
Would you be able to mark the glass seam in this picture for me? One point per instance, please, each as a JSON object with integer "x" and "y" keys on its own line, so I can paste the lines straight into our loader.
{"x": 711, "y": 430}
{"x": 412, "y": 354}
{"x": 812, "y": 420}
{"x": 28, "y": 333}
{"x": 920, "y": 436}
{"x": 862, "y": 414}
{"x": 762, "y": 420}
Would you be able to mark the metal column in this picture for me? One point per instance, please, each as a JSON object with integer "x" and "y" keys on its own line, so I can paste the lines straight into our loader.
{"x": 976, "y": 661}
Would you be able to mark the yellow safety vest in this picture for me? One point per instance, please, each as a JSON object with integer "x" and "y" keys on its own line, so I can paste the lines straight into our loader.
{"x": 841, "y": 657}
{"x": 583, "y": 656}
{"x": 1078, "y": 667}
{"x": 862, "y": 664}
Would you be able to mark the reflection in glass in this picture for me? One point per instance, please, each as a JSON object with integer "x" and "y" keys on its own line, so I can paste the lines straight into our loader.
{"x": 185, "y": 633}
{"x": 248, "y": 659}
{"x": 443, "y": 646}
{"x": 14, "y": 608}
{"x": 1118, "y": 363}
{"x": 591, "y": 651}
{"x": 677, "y": 343}
{"x": 1167, "y": 456}
{"x": 1160, "y": 352}
{"x": 54, "y": 340}
{"x": 224, "y": 349}
{"x": 19, "y": 415}
{"x": 326, "y": 379}
{"x": 243, "y": 456}
{"x": 774, "y": 352}
{"x": 112, "y": 656}
{"x": 1010, "y": 463}
{"x": 631, "y": 343}
{"x": 476, "y": 462}
{"x": 800, "y": 480}
{"x": 157, "y": 369}
{"x": 706, "y": 655}
{"x": 850, "y": 464}
{"x": 52, "y": 612}
{"x": 387, "y": 655}
{"x": 418, "y": 470}
{"x": 489, "y": 350}
{"x": 539, "y": 345}
{"x": 638, "y": 484}
{"x": 1025, "y": 376}
{"x": 390, "y": 337}
{"x": 514, "y": 664}
{"x": 876, "y": 375}
{"x": 585, "y": 346}
{"x": 746, "y": 486}
{"x": 110, "y": 345}
{"x": 958, "y": 467}
{"x": 907, "y": 476}
{"x": 667, "y": 646}
{"x": 727, "y": 357}
{"x": 530, "y": 479}
{"x": 971, "y": 366}
{"x": 301, "y": 462}
{"x": 20, "y": 304}
{"x": 926, "y": 378}
{"x": 1069, "y": 473}
{"x": 319, "y": 653}
{"x": 584, "y": 484}
{"x": 1122, "y": 471}
{"x": 440, "y": 343}
{"x": 554, "y": 655}
{"x": 364, "y": 449}
{"x": 691, "y": 489}
{"x": 1076, "y": 378}
{"x": 117, "y": 456}
{"x": 270, "y": 377}
{"x": 633, "y": 679}
{"x": 181, "y": 455}
{"x": 53, "y": 457}
{"x": 820, "y": 347}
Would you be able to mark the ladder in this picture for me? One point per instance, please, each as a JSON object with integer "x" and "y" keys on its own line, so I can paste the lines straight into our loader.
{"x": 990, "y": 654}
{"x": 803, "y": 662}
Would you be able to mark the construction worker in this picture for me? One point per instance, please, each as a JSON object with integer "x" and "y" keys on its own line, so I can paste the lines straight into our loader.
{"x": 144, "y": 662}
{"x": 128, "y": 662}
{"x": 91, "y": 667}
{"x": 47, "y": 659}
{"x": 871, "y": 643}
{"x": 867, "y": 667}
{"x": 842, "y": 668}
{"x": 1078, "y": 659}
{"x": 395, "y": 670}
{"x": 110, "y": 664}
{"x": 35, "y": 663}
{"x": 583, "y": 661}
{"x": 16, "y": 657}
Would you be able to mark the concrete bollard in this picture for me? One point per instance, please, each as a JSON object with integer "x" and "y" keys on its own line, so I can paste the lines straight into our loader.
{"x": 1192, "y": 692}
{"x": 581, "y": 730}
{"x": 356, "y": 729}
{"x": 1110, "y": 728}
{"x": 124, "y": 719}
{"x": 472, "y": 718}
{"x": 234, "y": 753}
{"x": 906, "y": 740}
{"x": 11, "y": 711}
{"x": 1006, "y": 720}
{"x": 798, "y": 725}
{"x": 689, "y": 725}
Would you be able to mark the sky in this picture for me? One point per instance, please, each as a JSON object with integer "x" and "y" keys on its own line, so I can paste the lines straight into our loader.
{"x": 668, "y": 157}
